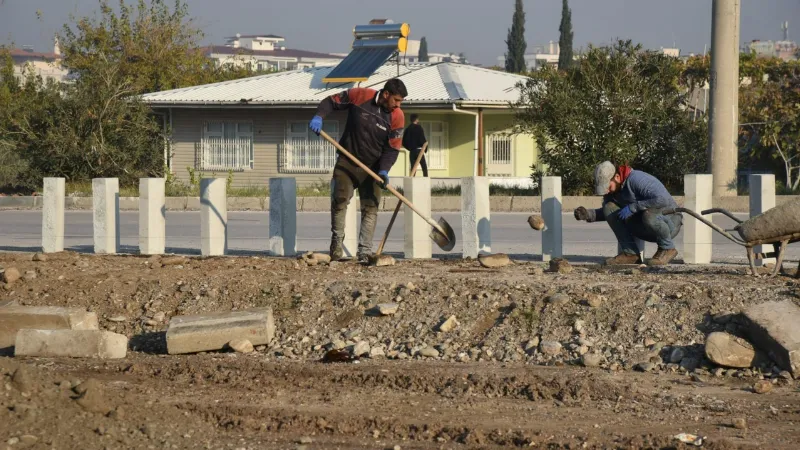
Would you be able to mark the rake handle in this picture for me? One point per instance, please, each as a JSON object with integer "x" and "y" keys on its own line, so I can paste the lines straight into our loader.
{"x": 377, "y": 178}
{"x": 397, "y": 208}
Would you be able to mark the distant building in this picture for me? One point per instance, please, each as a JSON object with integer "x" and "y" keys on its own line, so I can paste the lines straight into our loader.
{"x": 412, "y": 55}
{"x": 674, "y": 52}
{"x": 785, "y": 50}
{"x": 266, "y": 52}
{"x": 540, "y": 56}
{"x": 46, "y": 65}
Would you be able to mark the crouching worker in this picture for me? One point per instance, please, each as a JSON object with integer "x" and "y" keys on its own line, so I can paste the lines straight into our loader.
{"x": 632, "y": 204}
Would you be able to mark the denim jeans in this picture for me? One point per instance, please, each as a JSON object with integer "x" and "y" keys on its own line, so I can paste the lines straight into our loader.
{"x": 648, "y": 225}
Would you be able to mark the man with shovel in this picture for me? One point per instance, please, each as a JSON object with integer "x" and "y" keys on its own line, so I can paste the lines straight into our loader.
{"x": 632, "y": 205}
{"x": 373, "y": 134}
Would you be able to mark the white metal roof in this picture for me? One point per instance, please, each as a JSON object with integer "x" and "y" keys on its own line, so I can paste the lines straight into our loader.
{"x": 428, "y": 84}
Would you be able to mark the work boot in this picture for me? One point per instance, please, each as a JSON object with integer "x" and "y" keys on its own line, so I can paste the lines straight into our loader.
{"x": 364, "y": 257}
{"x": 623, "y": 258}
{"x": 662, "y": 257}
{"x": 336, "y": 252}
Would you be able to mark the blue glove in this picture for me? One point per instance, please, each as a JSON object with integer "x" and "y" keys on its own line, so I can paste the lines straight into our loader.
{"x": 316, "y": 124}
{"x": 625, "y": 213}
{"x": 385, "y": 175}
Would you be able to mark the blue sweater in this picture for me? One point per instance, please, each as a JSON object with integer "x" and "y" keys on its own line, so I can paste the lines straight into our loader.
{"x": 640, "y": 191}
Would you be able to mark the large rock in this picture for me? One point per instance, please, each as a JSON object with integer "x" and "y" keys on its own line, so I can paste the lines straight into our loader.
{"x": 730, "y": 351}
{"x": 14, "y": 318}
{"x": 448, "y": 324}
{"x": 773, "y": 327}
{"x": 71, "y": 343}
{"x": 191, "y": 334}
{"x": 494, "y": 261}
{"x": 10, "y": 275}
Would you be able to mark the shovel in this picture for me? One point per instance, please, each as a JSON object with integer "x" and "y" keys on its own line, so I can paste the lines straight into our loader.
{"x": 397, "y": 208}
{"x": 442, "y": 233}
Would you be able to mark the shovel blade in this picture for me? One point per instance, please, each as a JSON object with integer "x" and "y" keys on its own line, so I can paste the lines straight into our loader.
{"x": 447, "y": 240}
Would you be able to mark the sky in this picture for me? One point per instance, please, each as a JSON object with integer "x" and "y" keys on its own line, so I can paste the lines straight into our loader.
{"x": 477, "y": 28}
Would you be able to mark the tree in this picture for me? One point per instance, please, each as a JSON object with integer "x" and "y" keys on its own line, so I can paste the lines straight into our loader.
{"x": 618, "y": 103}
{"x": 515, "y": 58}
{"x": 565, "y": 41}
{"x": 423, "y": 50}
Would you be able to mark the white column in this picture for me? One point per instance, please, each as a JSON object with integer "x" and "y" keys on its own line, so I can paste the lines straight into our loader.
{"x": 105, "y": 202}
{"x": 282, "y": 216}
{"x": 476, "y": 225}
{"x": 762, "y": 198}
{"x": 350, "y": 241}
{"x": 53, "y": 216}
{"x": 417, "y": 242}
{"x": 696, "y": 235}
{"x": 552, "y": 235}
{"x": 152, "y": 216}
{"x": 213, "y": 217}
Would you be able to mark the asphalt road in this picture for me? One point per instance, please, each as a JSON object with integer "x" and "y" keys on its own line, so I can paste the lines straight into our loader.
{"x": 248, "y": 233}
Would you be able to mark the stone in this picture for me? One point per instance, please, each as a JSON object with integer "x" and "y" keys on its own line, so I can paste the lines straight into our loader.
{"x": 676, "y": 355}
{"x": 320, "y": 258}
{"x": 159, "y": 316}
{"x": 71, "y": 343}
{"x": 532, "y": 344}
{"x": 30, "y": 275}
{"x": 10, "y": 275}
{"x": 740, "y": 423}
{"x": 429, "y": 352}
{"x": 730, "y": 351}
{"x": 594, "y": 300}
{"x": 387, "y": 309}
{"x": 417, "y": 243}
{"x": 560, "y": 265}
{"x": 644, "y": 367}
{"x": 39, "y": 257}
{"x": 448, "y": 325}
{"x": 173, "y": 261}
{"x": 557, "y": 299}
{"x": 762, "y": 387}
{"x": 578, "y": 325}
{"x": 192, "y": 334}
{"x": 382, "y": 260}
{"x": 14, "y": 318}
{"x": 241, "y": 346}
{"x": 376, "y": 352}
{"x": 652, "y": 300}
{"x": 591, "y": 359}
{"x": 536, "y": 222}
{"x": 494, "y": 261}
{"x": 476, "y": 229}
{"x": 361, "y": 348}
{"x": 772, "y": 327}
{"x": 23, "y": 380}
{"x": 551, "y": 348}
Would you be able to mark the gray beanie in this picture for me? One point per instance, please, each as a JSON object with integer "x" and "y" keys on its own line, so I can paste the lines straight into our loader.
{"x": 603, "y": 174}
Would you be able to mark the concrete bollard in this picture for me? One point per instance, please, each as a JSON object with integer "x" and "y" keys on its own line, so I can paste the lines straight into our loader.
{"x": 476, "y": 224}
{"x": 696, "y": 235}
{"x": 417, "y": 242}
{"x": 152, "y": 216}
{"x": 350, "y": 241}
{"x": 213, "y": 217}
{"x": 105, "y": 207}
{"x": 53, "y": 215}
{"x": 282, "y": 216}
{"x": 552, "y": 235}
{"x": 762, "y": 198}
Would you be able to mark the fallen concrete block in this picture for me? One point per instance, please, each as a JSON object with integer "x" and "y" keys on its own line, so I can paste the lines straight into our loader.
{"x": 14, "y": 318}
{"x": 191, "y": 334}
{"x": 773, "y": 327}
{"x": 71, "y": 343}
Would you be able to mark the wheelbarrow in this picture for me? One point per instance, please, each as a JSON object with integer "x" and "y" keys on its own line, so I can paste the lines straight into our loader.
{"x": 778, "y": 226}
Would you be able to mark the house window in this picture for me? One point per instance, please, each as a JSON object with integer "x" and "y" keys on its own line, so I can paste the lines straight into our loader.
{"x": 500, "y": 147}
{"x": 436, "y": 133}
{"x": 227, "y": 146}
{"x": 305, "y": 152}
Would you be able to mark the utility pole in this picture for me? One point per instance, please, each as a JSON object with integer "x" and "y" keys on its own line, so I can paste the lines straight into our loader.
{"x": 724, "y": 115}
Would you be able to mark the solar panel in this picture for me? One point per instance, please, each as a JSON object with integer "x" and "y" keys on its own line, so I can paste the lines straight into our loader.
{"x": 372, "y": 47}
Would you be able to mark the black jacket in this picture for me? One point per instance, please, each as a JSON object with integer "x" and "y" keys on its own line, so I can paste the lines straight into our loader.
{"x": 414, "y": 137}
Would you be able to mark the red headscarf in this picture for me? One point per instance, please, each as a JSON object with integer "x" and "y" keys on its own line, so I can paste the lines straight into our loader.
{"x": 623, "y": 172}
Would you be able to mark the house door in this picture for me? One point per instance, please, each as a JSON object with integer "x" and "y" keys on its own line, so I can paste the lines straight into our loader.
{"x": 499, "y": 155}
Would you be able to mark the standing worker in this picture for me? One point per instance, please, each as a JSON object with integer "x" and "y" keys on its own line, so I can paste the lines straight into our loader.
{"x": 373, "y": 134}
{"x": 413, "y": 141}
{"x": 632, "y": 204}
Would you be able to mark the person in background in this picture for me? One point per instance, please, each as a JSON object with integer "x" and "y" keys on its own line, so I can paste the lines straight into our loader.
{"x": 414, "y": 140}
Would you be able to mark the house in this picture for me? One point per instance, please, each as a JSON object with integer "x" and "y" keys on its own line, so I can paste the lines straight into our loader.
{"x": 46, "y": 65}
{"x": 257, "y": 127}
{"x": 265, "y": 52}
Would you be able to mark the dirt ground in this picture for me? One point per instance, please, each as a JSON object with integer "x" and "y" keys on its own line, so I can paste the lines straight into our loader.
{"x": 497, "y": 379}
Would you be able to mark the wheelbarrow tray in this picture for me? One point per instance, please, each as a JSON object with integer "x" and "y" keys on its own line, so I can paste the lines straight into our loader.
{"x": 782, "y": 220}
